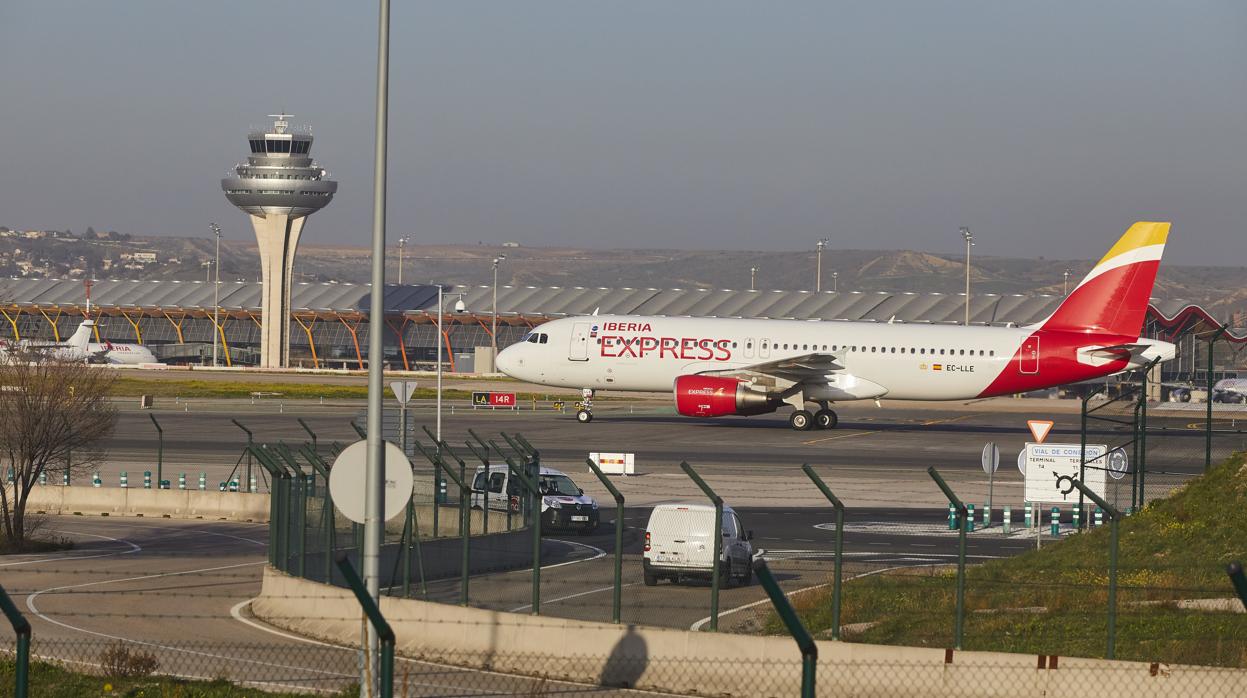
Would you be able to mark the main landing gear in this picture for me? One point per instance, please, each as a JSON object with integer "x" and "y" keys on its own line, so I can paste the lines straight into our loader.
{"x": 585, "y": 414}
{"x": 803, "y": 420}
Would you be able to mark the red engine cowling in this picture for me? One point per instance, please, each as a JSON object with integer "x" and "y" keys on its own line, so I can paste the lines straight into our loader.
{"x": 710, "y": 396}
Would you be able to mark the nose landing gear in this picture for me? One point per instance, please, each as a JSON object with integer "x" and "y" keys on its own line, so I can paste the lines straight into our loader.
{"x": 585, "y": 414}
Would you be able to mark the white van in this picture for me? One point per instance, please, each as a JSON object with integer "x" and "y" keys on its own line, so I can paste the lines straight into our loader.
{"x": 678, "y": 544}
{"x": 564, "y": 506}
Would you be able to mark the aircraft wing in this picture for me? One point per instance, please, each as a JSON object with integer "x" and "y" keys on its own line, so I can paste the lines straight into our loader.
{"x": 798, "y": 369}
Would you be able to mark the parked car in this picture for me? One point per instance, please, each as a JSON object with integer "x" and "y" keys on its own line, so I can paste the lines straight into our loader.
{"x": 564, "y": 506}
{"x": 678, "y": 545}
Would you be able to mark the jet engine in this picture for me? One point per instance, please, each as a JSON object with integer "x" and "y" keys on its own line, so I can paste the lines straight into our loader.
{"x": 711, "y": 396}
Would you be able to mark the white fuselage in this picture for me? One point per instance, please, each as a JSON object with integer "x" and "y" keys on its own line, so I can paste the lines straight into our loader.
{"x": 897, "y": 360}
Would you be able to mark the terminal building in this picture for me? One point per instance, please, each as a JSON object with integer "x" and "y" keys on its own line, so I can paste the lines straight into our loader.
{"x": 329, "y": 327}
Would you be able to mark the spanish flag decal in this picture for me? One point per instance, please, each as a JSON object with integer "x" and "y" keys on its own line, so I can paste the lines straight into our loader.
{"x": 937, "y": 367}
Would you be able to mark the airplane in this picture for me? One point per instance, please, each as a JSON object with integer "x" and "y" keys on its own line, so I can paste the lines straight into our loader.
{"x": 79, "y": 347}
{"x": 718, "y": 367}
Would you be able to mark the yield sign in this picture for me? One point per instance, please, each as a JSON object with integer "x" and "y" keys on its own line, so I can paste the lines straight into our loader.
{"x": 1039, "y": 428}
{"x": 403, "y": 390}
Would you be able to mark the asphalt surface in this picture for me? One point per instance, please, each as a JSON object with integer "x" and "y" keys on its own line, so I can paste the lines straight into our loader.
{"x": 181, "y": 587}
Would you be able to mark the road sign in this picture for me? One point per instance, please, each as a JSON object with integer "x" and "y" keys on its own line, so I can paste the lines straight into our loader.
{"x": 1118, "y": 463}
{"x": 991, "y": 458}
{"x": 493, "y": 399}
{"x": 348, "y": 475}
{"x": 1022, "y": 462}
{"x": 403, "y": 390}
{"x": 1046, "y": 463}
{"x": 1039, "y": 428}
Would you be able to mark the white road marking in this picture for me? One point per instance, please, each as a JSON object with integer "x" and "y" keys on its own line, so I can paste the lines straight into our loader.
{"x": 134, "y": 548}
{"x": 545, "y": 602}
{"x": 698, "y": 625}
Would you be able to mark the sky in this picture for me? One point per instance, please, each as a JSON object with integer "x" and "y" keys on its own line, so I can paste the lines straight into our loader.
{"x": 1045, "y": 127}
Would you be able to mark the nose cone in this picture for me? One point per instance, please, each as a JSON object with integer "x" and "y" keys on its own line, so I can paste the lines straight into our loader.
{"x": 509, "y": 361}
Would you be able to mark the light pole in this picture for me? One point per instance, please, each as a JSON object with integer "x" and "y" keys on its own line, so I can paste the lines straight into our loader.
{"x": 818, "y": 270}
{"x": 835, "y": 282}
{"x": 493, "y": 332}
{"x": 1067, "y": 273}
{"x": 207, "y": 265}
{"x": 216, "y": 295}
{"x": 969, "y": 237}
{"x": 753, "y": 278}
{"x": 402, "y": 242}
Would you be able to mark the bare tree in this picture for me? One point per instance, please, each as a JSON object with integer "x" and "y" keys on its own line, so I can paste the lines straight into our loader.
{"x": 54, "y": 413}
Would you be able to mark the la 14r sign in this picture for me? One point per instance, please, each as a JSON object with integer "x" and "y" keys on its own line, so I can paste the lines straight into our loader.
{"x": 493, "y": 399}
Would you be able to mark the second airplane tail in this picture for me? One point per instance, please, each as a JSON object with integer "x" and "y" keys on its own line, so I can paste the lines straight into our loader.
{"x": 1114, "y": 296}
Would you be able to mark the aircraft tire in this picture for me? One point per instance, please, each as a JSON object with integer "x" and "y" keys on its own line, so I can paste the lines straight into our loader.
{"x": 584, "y": 416}
{"x": 825, "y": 419}
{"x": 801, "y": 420}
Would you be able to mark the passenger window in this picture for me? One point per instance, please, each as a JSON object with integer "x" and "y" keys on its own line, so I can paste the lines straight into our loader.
{"x": 729, "y": 526}
{"x": 479, "y": 483}
{"x": 496, "y": 480}
{"x": 893, "y": 350}
{"x": 873, "y": 349}
{"x": 513, "y": 488}
{"x": 991, "y": 353}
{"x": 941, "y": 352}
{"x": 963, "y": 352}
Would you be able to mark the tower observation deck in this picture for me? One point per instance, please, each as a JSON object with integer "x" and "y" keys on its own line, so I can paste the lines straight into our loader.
{"x": 279, "y": 187}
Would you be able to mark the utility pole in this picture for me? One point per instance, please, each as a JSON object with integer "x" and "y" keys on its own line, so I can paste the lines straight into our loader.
{"x": 374, "y": 473}
{"x": 216, "y": 295}
{"x": 969, "y": 237}
{"x": 753, "y": 278}
{"x": 818, "y": 269}
{"x": 402, "y": 242}
{"x": 493, "y": 332}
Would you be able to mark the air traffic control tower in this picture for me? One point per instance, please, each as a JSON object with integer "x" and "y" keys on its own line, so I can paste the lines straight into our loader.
{"x": 279, "y": 187}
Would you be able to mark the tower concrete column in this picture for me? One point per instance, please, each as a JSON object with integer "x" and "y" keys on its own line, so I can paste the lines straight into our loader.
{"x": 277, "y": 237}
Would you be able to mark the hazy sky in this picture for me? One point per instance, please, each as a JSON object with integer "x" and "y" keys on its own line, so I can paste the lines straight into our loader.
{"x": 1047, "y": 127}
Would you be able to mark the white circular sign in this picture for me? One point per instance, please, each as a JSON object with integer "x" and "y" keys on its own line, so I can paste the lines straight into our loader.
{"x": 991, "y": 458}
{"x": 1022, "y": 462}
{"x": 348, "y": 475}
{"x": 1118, "y": 463}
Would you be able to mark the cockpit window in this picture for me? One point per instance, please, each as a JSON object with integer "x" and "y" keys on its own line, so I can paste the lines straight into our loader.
{"x": 544, "y": 338}
{"x": 531, "y": 337}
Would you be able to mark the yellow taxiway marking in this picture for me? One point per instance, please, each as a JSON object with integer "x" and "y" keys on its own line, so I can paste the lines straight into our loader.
{"x": 951, "y": 419}
{"x": 868, "y": 433}
{"x": 839, "y": 436}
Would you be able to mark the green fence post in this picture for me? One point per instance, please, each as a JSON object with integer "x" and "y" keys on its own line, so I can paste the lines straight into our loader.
{"x": 309, "y": 431}
{"x": 835, "y": 588}
{"x": 809, "y": 649}
{"x": 959, "y": 623}
{"x": 484, "y": 459}
{"x": 279, "y": 508}
{"x": 718, "y": 541}
{"x": 327, "y": 511}
{"x": 535, "y": 495}
{"x": 250, "y": 442}
{"x": 21, "y": 626}
{"x": 437, "y": 481}
{"x": 1114, "y": 521}
{"x": 1208, "y": 425}
{"x": 385, "y": 634}
{"x": 1235, "y": 570}
{"x": 359, "y": 430}
{"x": 617, "y": 601}
{"x": 465, "y": 510}
{"x": 160, "y": 449}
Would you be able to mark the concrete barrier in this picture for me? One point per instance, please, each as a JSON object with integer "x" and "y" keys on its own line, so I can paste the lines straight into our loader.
{"x": 712, "y": 663}
{"x": 175, "y": 504}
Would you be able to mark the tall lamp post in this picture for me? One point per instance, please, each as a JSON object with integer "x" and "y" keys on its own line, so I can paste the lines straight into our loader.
{"x": 835, "y": 282}
{"x": 401, "y": 243}
{"x": 216, "y": 295}
{"x": 969, "y": 238}
{"x": 818, "y": 269}
{"x": 753, "y": 278}
{"x": 493, "y": 332}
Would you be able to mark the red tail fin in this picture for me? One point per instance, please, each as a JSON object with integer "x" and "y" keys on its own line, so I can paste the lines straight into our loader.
{"x": 1113, "y": 298}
